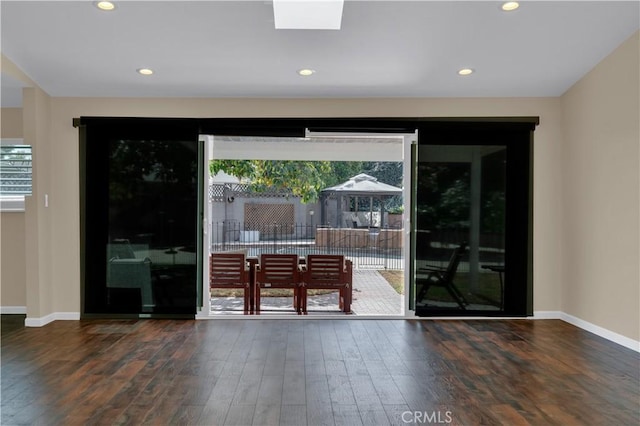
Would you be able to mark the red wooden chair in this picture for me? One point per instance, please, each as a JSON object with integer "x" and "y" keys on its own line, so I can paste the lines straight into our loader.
{"x": 325, "y": 271}
{"x": 278, "y": 271}
{"x": 230, "y": 270}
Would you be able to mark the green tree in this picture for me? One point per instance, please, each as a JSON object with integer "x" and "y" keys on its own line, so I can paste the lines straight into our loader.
{"x": 341, "y": 171}
{"x": 305, "y": 179}
{"x": 389, "y": 172}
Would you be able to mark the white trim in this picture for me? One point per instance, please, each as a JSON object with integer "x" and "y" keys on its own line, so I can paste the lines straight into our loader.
{"x": 291, "y": 315}
{"x": 13, "y": 310}
{"x": 602, "y": 332}
{"x": 546, "y": 315}
{"x": 282, "y": 148}
{"x": 12, "y": 203}
{"x": 39, "y": 322}
{"x": 542, "y": 315}
{"x": 56, "y": 316}
{"x": 12, "y": 141}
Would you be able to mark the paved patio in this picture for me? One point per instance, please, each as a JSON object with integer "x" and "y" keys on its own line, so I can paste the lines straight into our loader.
{"x": 372, "y": 296}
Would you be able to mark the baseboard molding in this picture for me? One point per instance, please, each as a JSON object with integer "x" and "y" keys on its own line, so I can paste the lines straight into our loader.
{"x": 56, "y": 316}
{"x": 547, "y": 315}
{"x": 585, "y": 325}
{"x": 602, "y": 332}
{"x": 13, "y": 310}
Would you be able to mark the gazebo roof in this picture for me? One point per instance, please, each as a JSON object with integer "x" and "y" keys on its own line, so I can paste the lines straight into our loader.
{"x": 363, "y": 184}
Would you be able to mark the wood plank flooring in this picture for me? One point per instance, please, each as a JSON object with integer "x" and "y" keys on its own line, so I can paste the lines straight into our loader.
{"x": 316, "y": 372}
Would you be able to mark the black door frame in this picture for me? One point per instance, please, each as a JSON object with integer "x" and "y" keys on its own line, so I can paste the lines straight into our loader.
{"x": 517, "y": 132}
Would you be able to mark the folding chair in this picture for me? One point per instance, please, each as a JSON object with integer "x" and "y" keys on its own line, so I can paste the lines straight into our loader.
{"x": 443, "y": 277}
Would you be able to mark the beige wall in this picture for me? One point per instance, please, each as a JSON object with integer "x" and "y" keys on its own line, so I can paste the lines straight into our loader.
{"x": 64, "y": 179}
{"x": 11, "y": 123}
{"x": 39, "y": 244}
{"x": 601, "y": 185}
{"x": 586, "y": 188}
{"x": 12, "y": 260}
{"x": 12, "y": 246}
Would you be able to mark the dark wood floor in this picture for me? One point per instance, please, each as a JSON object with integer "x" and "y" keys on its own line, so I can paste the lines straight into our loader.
{"x": 316, "y": 372}
{"x": 11, "y": 323}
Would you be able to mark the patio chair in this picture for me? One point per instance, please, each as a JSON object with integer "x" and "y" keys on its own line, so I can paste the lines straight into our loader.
{"x": 443, "y": 277}
{"x": 324, "y": 271}
{"x": 230, "y": 271}
{"x": 131, "y": 273}
{"x": 125, "y": 271}
{"x": 278, "y": 271}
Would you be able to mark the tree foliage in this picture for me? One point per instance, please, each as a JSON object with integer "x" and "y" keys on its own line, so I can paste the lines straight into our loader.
{"x": 389, "y": 172}
{"x": 304, "y": 179}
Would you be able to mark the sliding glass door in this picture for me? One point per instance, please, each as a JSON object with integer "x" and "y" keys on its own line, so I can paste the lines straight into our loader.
{"x": 472, "y": 223}
{"x": 141, "y": 221}
{"x": 460, "y": 227}
{"x": 470, "y": 213}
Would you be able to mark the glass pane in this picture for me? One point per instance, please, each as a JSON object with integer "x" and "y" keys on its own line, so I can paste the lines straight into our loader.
{"x": 460, "y": 230}
{"x": 152, "y": 212}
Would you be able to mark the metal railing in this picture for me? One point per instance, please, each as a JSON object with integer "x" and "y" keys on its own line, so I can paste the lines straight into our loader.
{"x": 366, "y": 248}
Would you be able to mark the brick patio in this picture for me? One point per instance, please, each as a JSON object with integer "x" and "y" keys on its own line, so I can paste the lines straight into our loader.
{"x": 372, "y": 296}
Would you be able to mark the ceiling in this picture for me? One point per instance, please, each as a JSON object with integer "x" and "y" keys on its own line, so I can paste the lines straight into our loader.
{"x": 384, "y": 49}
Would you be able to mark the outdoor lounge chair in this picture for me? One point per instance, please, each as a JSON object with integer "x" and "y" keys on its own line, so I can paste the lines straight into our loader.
{"x": 278, "y": 271}
{"x": 228, "y": 271}
{"x": 442, "y": 277}
{"x": 125, "y": 271}
{"x": 324, "y": 271}
{"x": 131, "y": 273}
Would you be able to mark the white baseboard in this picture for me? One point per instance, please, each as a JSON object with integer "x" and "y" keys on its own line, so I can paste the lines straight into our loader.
{"x": 13, "y": 309}
{"x": 592, "y": 328}
{"x": 547, "y": 315}
{"x": 56, "y": 316}
{"x": 585, "y": 325}
{"x": 602, "y": 332}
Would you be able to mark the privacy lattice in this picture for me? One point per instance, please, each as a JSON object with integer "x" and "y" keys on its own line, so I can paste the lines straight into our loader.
{"x": 219, "y": 192}
{"x": 269, "y": 219}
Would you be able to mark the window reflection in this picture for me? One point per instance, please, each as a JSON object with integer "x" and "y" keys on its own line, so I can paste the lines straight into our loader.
{"x": 152, "y": 210}
{"x": 460, "y": 231}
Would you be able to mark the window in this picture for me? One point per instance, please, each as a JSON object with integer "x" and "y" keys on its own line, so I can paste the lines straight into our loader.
{"x": 15, "y": 175}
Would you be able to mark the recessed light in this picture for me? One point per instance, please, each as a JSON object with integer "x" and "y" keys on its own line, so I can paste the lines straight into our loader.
{"x": 306, "y": 72}
{"x": 510, "y": 5}
{"x": 144, "y": 71}
{"x": 105, "y": 5}
{"x": 465, "y": 71}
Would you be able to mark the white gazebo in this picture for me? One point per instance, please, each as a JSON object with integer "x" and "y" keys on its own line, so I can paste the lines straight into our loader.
{"x": 357, "y": 187}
